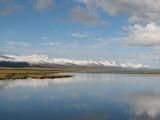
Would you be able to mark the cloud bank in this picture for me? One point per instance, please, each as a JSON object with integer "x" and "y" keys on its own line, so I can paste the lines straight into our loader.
{"x": 142, "y": 14}
{"x": 138, "y": 10}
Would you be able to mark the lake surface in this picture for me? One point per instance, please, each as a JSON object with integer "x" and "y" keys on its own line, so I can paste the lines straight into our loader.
{"x": 82, "y": 97}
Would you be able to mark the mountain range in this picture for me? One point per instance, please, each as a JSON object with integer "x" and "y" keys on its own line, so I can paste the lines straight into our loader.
{"x": 45, "y": 61}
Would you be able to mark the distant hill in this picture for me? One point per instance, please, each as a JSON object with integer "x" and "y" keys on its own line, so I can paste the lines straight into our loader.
{"x": 14, "y": 64}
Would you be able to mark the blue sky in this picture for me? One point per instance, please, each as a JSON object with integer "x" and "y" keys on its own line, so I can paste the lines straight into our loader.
{"x": 125, "y": 31}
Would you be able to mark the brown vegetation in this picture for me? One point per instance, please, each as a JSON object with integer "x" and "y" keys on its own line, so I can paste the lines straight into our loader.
{"x": 30, "y": 73}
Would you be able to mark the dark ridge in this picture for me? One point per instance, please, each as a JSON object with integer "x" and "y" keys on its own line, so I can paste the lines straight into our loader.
{"x": 14, "y": 64}
{"x": 5, "y": 57}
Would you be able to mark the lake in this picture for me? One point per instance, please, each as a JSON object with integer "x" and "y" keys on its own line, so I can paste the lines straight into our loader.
{"x": 82, "y": 97}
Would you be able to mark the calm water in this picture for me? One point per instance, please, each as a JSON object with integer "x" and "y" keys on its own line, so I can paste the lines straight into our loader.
{"x": 83, "y": 97}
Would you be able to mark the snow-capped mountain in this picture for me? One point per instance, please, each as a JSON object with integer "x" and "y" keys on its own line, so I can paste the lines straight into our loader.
{"x": 44, "y": 59}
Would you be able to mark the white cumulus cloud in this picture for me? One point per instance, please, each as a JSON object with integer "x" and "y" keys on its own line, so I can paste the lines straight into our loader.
{"x": 147, "y": 36}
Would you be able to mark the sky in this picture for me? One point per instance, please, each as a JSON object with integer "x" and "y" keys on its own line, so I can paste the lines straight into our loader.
{"x": 119, "y": 30}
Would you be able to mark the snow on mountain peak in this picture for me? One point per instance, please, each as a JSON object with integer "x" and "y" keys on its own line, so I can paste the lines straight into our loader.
{"x": 40, "y": 59}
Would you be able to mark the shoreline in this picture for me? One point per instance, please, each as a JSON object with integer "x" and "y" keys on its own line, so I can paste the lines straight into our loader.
{"x": 6, "y": 74}
{"x": 47, "y": 73}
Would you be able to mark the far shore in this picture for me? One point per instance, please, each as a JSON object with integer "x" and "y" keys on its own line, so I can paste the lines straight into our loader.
{"x": 51, "y": 73}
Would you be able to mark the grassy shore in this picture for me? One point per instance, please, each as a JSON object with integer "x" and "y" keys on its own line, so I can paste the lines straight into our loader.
{"x": 31, "y": 73}
{"x": 43, "y": 73}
